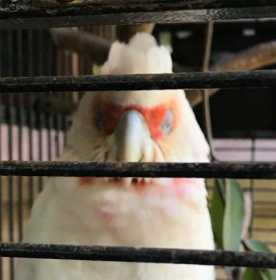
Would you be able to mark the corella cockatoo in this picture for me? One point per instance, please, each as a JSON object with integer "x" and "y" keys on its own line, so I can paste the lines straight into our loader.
{"x": 156, "y": 126}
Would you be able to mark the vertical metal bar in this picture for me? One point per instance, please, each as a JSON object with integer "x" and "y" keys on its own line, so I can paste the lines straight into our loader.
{"x": 57, "y": 129}
{"x": 30, "y": 115}
{"x": 252, "y": 188}
{"x": 58, "y": 115}
{"x": 63, "y": 68}
{"x": 1, "y": 158}
{"x": 58, "y": 120}
{"x": 19, "y": 111}
{"x": 49, "y": 136}
{"x": 10, "y": 122}
{"x": 1, "y": 194}
{"x": 50, "y": 120}
{"x": 68, "y": 68}
{"x": 1, "y": 123}
{"x": 40, "y": 147}
{"x": 40, "y": 115}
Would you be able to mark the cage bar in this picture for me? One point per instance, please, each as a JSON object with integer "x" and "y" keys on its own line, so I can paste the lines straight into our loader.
{"x": 105, "y": 12}
{"x": 107, "y": 6}
{"x": 20, "y": 121}
{"x": 163, "y": 170}
{"x": 2, "y": 210}
{"x": 188, "y": 80}
{"x": 144, "y": 255}
{"x": 10, "y": 114}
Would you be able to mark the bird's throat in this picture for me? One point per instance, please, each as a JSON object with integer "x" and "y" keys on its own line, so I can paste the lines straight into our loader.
{"x": 181, "y": 186}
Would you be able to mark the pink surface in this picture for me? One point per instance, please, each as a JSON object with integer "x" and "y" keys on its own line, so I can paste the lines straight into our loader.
{"x": 56, "y": 140}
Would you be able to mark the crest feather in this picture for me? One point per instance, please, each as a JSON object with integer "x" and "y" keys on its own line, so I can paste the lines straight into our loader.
{"x": 141, "y": 55}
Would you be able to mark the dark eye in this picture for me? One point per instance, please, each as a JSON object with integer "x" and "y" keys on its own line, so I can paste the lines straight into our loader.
{"x": 167, "y": 123}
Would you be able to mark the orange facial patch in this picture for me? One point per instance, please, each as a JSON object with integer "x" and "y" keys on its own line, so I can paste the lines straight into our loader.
{"x": 109, "y": 115}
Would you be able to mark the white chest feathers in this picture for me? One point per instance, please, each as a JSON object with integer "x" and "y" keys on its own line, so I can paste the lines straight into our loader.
{"x": 156, "y": 216}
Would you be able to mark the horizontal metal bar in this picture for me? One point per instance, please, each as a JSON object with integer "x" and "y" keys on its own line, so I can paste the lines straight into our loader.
{"x": 109, "y": 6}
{"x": 248, "y": 79}
{"x": 144, "y": 255}
{"x": 101, "y": 169}
{"x": 18, "y": 16}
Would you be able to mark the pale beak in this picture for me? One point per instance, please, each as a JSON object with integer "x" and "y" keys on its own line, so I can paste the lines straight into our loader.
{"x": 131, "y": 138}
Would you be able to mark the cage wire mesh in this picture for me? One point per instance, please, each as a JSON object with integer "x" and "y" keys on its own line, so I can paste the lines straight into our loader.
{"x": 28, "y": 130}
{"x": 33, "y": 127}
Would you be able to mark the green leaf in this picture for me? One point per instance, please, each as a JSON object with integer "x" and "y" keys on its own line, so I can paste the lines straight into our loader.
{"x": 258, "y": 246}
{"x": 165, "y": 39}
{"x": 217, "y": 211}
{"x": 266, "y": 274}
{"x": 96, "y": 69}
{"x": 256, "y": 274}
{"x": 233, "y": 215}
{"x": 272, "y": 273}
{"x": 252, "y": 274}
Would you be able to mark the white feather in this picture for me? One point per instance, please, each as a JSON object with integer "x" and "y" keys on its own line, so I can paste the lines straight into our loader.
{"x": 141, "y": 55}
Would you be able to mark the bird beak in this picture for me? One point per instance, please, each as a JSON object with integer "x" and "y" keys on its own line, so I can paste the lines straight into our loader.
{"x": 132, "y": 141}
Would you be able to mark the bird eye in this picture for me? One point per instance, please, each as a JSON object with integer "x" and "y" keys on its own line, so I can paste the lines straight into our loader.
{"x": 167, "y": 123}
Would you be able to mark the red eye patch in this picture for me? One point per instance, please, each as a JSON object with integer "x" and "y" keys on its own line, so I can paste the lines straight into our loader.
{"x": 111, "y": 113}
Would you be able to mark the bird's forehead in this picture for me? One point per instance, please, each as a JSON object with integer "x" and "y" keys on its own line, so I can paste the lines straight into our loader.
{"x": 140, "y": 98}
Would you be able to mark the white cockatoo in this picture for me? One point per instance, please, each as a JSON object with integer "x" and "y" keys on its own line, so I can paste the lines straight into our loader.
{"x": 129, "y": 126}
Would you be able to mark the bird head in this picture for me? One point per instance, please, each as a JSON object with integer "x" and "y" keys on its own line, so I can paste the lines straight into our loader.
{"x": 137, "y": 126}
